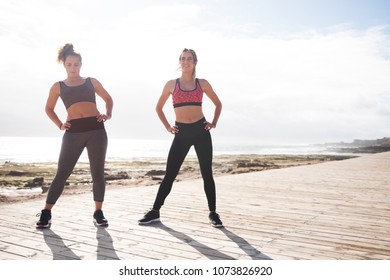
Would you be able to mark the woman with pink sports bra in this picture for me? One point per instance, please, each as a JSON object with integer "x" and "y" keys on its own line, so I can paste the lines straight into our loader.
{"x": 84, "y": 128}
{"x": 191, "y": 129}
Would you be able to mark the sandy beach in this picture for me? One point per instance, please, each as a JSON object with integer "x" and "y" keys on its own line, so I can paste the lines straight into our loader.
{"x": 25, "y": 181}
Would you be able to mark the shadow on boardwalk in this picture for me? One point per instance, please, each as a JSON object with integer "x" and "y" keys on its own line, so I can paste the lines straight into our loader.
{"x": 211, "y": 253}
{"x": 333, "y": 210}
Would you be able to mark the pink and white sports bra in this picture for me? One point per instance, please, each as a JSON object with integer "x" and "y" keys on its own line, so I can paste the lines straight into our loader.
{"x": 187, "y": 97}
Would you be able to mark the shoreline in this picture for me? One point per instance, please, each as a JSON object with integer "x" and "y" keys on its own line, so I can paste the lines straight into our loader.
{"x": 25, "y": 181}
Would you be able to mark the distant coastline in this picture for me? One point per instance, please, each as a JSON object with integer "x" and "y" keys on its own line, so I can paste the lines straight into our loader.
{"x": 46, "y": 149}
{"x": 358, "y": 146}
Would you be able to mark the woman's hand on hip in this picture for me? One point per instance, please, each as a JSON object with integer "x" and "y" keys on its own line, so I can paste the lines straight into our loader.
{"x": 173, "y": 129}
{"x": 103, "y": 118}
{"x": 208, "y": 125}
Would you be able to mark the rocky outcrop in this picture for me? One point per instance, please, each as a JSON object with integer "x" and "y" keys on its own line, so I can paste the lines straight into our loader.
{"x": 118, "y": 176}
{"x": 34, "y": 183}
{"x": 362, "y": 146}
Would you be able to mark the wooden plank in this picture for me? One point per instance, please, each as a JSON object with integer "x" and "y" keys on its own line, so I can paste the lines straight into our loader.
{"x": 333, "y": 210}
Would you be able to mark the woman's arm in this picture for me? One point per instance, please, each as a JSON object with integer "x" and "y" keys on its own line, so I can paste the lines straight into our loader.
{"x": 102, "y": 92}
{"x": 167, "y": 90}
{"x": 207, "y": 88}
{"x": 51, "y": 102}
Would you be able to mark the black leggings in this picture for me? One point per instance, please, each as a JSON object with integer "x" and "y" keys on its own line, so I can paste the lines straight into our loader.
{"x": 189, "y": 135}
{"x": 84, "y": 133}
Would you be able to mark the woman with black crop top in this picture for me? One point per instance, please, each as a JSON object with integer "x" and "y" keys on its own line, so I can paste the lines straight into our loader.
{"x": 84, "y": 128}
{"x": 191, "y": 129}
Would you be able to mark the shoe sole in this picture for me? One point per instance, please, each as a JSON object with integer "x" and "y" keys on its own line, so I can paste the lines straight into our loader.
{"x": 216, "y": 226}
{"x": 104, "y": 224}
{"x": 149, "y": 222}
{"x": 43, "y": 226}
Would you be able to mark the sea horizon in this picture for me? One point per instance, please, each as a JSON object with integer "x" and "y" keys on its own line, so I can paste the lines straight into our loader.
{"x": 21, "y": 149}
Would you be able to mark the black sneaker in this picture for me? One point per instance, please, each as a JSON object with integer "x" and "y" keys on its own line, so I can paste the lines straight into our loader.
{"x": 45, "y": 219}
{"x": 99, "y": 219}
{"x": 150, "y": 217}
{"x": 215, "y": 221}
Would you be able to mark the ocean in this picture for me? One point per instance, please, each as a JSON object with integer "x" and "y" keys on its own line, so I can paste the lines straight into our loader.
{"x": 46, "y": 149}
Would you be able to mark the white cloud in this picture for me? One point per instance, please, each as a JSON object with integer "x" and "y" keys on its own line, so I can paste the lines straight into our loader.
{"x": 328, "y": 85}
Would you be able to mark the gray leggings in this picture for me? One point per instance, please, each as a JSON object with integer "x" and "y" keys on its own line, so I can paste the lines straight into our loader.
{"x": 73, "y": 145}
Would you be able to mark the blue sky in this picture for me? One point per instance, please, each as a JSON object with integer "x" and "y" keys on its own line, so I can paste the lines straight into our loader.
{"x": 287, "y": 72}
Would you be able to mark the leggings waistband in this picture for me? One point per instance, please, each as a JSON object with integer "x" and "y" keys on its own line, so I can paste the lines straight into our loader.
{"x": 85, "y": 124}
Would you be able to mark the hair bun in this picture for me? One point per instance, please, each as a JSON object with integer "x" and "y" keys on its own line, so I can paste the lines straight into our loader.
{"x": 68, "y": 48}
{"x": 65, "y": 51}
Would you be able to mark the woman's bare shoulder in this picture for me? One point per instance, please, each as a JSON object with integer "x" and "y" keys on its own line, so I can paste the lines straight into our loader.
{"x": 171, "y": 82}
{"x": 55, "y": 87}
{"x": 204, "y": 83}
{"x": 170, "y": 85}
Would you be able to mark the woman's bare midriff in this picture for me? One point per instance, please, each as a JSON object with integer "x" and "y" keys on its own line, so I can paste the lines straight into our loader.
{"x": 188, "y": 114}
{"x": 82, "y": 110}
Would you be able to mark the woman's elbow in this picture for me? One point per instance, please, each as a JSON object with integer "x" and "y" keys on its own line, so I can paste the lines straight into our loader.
{"x": 49, "y": 110}
{"x": 159, "y": 108}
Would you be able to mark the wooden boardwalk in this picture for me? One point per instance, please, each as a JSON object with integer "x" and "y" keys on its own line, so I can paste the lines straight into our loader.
{"x": 334, "y": 210}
